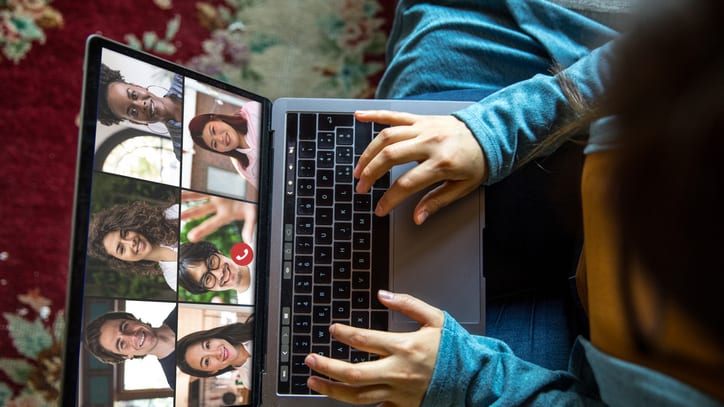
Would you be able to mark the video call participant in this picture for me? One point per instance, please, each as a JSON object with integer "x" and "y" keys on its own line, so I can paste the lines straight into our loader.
{"x": 203, "y": 268}
{"x": 120, "y": 100}
{"x": 138, "y": 237}
{"x": 222, "y": 211}
{"x": 119, "y": 336}
{"x": 218, "y": 350}
{"x": 231, "y": 135}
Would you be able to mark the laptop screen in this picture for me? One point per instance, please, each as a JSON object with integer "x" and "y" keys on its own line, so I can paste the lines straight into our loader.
{"x": 165, "y": 269}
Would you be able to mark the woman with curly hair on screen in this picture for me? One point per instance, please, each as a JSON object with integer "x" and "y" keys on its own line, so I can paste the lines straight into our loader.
{"x": 215, "y": 351}
{"x": 139, "y": 237}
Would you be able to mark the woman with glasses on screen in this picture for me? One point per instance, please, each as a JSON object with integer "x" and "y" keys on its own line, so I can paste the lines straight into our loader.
{"x": 203, "y": 268}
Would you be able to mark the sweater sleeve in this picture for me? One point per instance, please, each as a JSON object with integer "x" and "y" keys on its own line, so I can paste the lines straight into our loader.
{"x": 481, "y": 371}
{"x": 509, "y": 123}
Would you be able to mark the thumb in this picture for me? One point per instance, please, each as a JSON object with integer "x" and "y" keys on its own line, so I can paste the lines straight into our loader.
{"x": 247, "y": 232}
{"x": 411, "y": 307}
{"x": 440, "y": 197}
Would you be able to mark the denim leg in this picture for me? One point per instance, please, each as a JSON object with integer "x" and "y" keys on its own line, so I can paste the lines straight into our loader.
{"x": 535, "y": 326}
{"x": 438, "y": 46}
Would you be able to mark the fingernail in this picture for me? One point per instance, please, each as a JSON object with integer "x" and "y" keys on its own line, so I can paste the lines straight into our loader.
{"x": 332, "y": 329}
{"x": 312, "y": 383}
{"x": 422, "y": 217}
{"x": 379, "y": 210}
{"x": 309, "y": 361}
{"x": 386, "y": 295}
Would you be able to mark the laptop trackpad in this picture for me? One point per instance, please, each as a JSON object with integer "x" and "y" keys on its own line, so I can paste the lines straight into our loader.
{"x": 441, "y": 261}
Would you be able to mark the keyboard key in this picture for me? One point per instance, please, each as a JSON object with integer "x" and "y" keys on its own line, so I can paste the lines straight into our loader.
{"x": 305, "y": 187}
{"x": 357, "y": 356}
{"x": 322, "y": 314}
{"x": 342, "y": 270}
{"x": 305, "y": 225}
{"x": 340, "y": 350}
{"x": 342, "y": 212}
{"x": 361, "y": 241}
{"x": 304, "y": 245}
{"x": 322, "y": 274}
{"x": 298, "y": 365}
{"x": 362, "y": 136}
{"x": 343, "y": 193}
{"x": 299, "y": 385}
{"x": 360, "y": 319}
{"x": 325, "y": 178}
{"x": 344, "y": 155}
{"x": 361, "y": 280}
{"x": 305, "y": 206}
{"x": 303, "y": 264}
{"x": 307, "y": 126}
{"x": 341, "y": 290}
{"x": 342, "y": 250}
{"x": 343, "y": 173}
{"x": 362, "y": 202}
{"x": 325, "y": 197}
{"x": 302, "y": 304}
{"x": 342, "y": 231}
{"x": 322, "y": 294}
{"x": 360, "y": 299}
{"x": 325, "y": 159}
{"x": 323, "y": 235}
{"x": 324, "y": 216}
{"x": 331, "y": 121}
{"x": 323, "y": 255}
{"x": 303, "y": 284}
{"x": 307, "y": 149}
{"x": 320, "y": 334}
{"x": 301, "y": 344}
{"x": 361, "y": 261}
{"x": 302, "y": 324}
{"x": 345, "y": 136}
{"x": 325, "y": 140}
{"x": 306, "y": 168}
{"x": 340, "y": 310}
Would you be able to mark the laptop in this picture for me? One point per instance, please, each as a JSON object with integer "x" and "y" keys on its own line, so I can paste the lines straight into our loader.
{"x": 217, "y": 235}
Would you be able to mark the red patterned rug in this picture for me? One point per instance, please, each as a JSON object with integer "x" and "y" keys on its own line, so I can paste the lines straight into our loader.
{"x": 272, "y": 47}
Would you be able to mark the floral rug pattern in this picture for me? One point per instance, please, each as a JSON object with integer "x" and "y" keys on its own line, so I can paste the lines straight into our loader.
{"x": 274, "y": 48}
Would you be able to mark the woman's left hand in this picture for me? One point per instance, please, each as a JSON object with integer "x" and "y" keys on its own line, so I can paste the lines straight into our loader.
{"x": 407, "y": 359}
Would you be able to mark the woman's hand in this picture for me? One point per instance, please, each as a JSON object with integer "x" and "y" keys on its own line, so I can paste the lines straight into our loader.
{"x": 224, "y": 211}
{"x": 407, "y": 359}
{"x": 445, "y": 149}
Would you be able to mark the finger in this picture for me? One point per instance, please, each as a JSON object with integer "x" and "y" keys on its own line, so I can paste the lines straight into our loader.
{"x": 357, "y": 374}
{"x": 366, "y": 340}
{"x": 197, "y": 211}
{"x": 349, "y": 393}
{"x": 387, "y": 117}
{"x": 412, "y": 307}
{"x": 205, "y": 228}
{"x": 440, "y": 197}
{"x": 385, "y": 143}
{"x": 407, "y": 184}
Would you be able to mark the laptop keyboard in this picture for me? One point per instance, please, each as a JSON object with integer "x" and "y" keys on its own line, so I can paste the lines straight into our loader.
{"x": 332, "y": 265}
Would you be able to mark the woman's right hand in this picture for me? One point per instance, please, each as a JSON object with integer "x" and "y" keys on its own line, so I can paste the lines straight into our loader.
{"x": 407, "y": 359}
{"x": 446, "y": 152}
